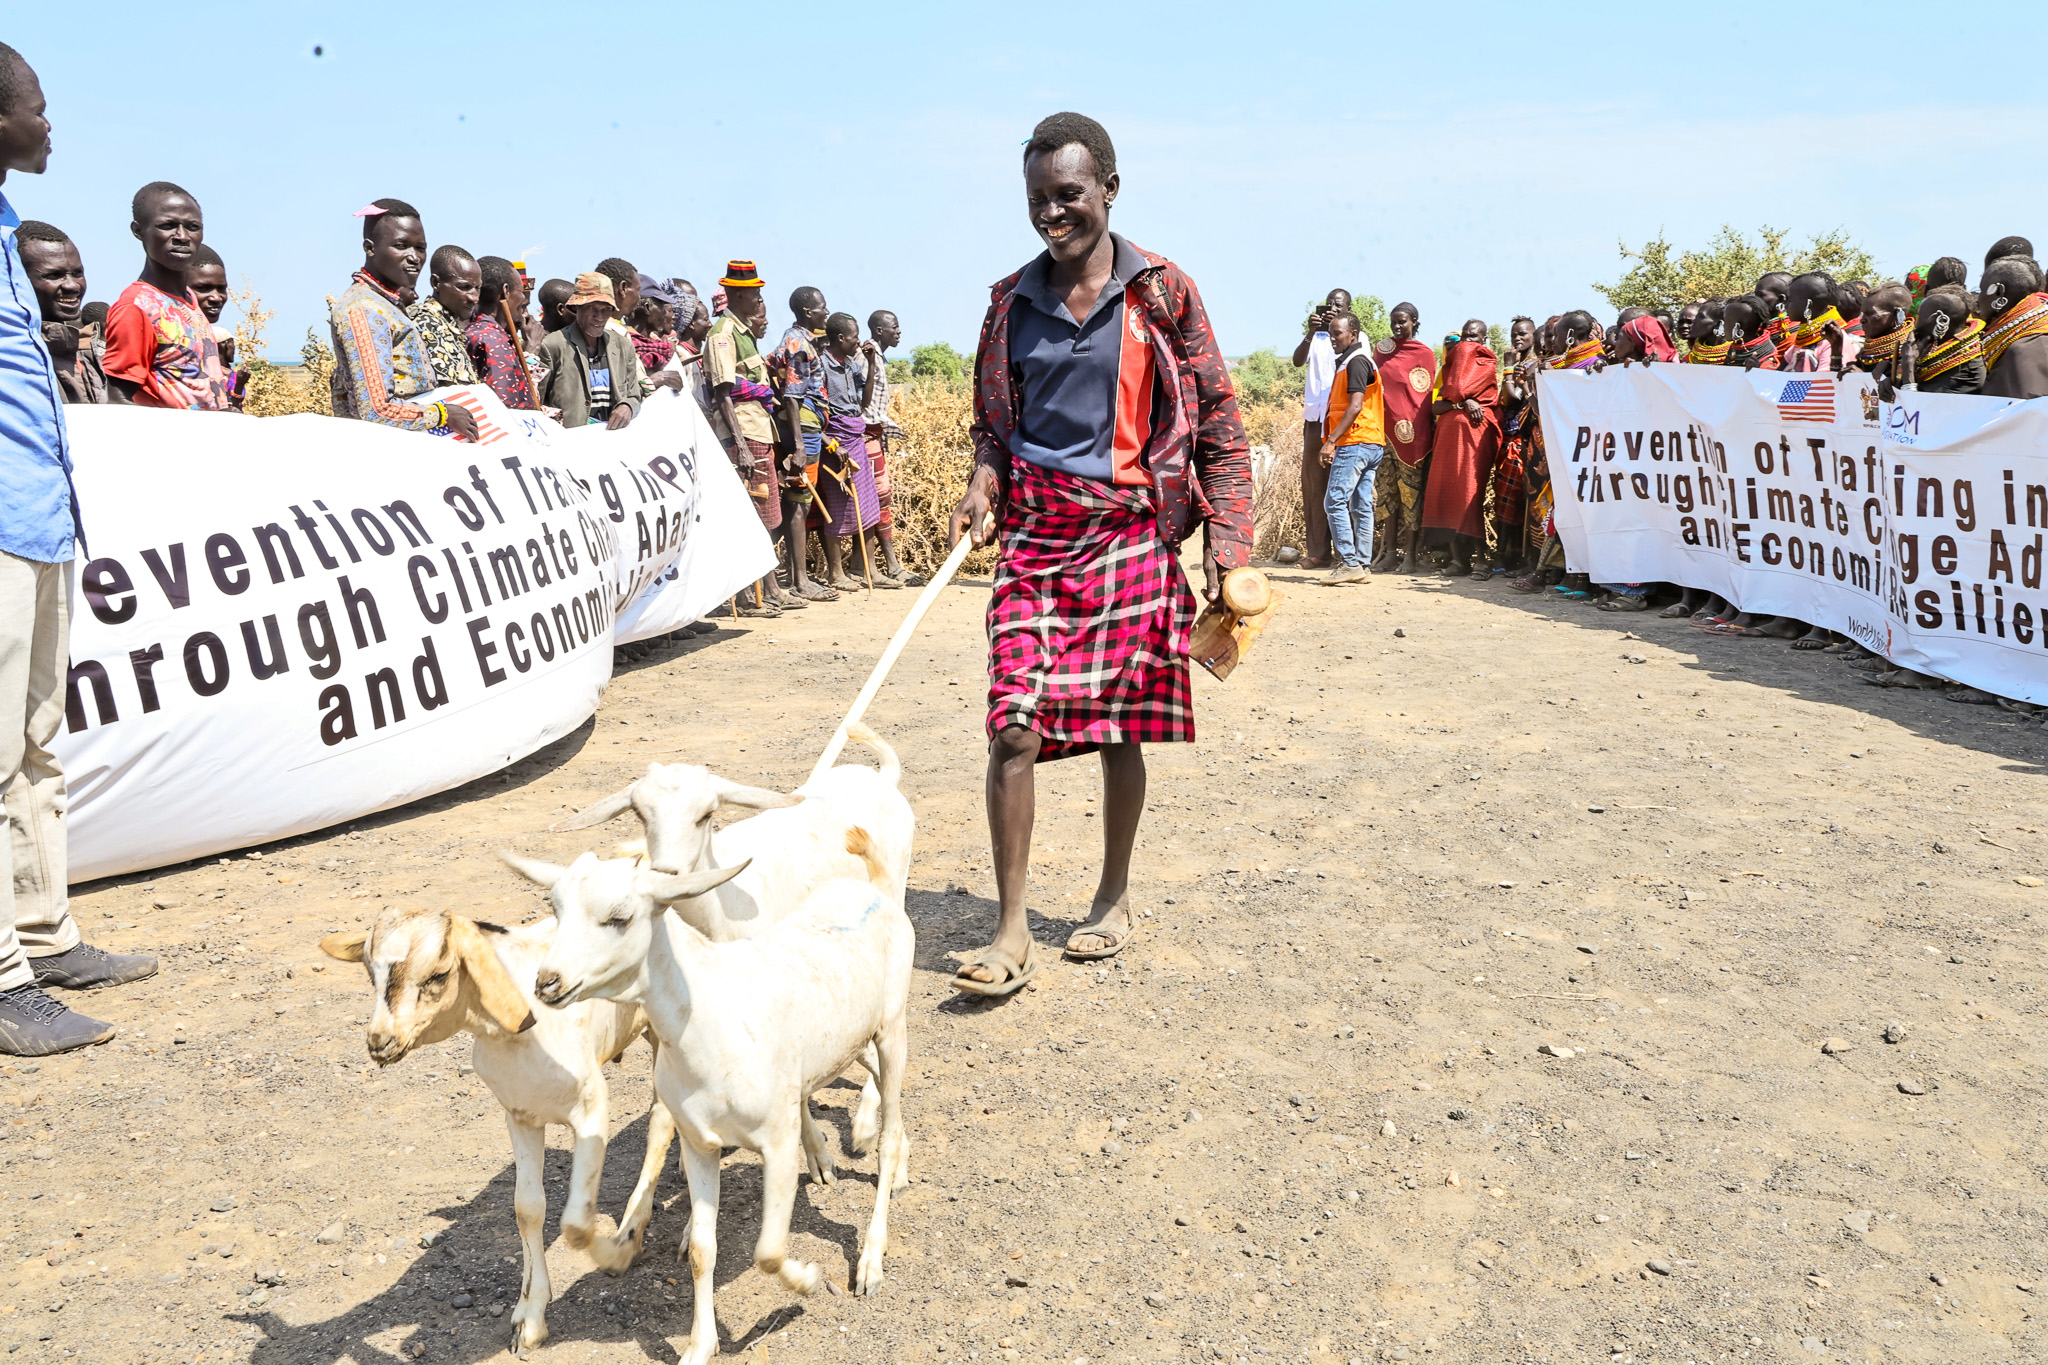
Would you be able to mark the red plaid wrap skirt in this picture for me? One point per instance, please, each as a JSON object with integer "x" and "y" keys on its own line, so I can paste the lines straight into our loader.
{"x": 1089, "y": 623}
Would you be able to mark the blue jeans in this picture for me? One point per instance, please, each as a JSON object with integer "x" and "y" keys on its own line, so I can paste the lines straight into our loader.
{"x": 1349, "y": 501}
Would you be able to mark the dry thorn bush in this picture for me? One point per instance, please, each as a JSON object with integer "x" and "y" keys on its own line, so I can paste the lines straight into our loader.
{"x": 279, "y": 390}
{"x": 928, "y": 471}
{"x": 1274, "y": 430}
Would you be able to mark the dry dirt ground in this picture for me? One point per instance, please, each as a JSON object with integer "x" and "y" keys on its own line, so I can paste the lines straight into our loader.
{"x": 1432, "y": 831}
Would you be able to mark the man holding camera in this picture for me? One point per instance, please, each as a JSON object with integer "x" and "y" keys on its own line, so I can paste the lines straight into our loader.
{"x": 1316, "y": 353}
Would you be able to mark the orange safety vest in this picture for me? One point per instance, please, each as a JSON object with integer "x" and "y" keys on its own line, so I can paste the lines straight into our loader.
{"x": 1370, "y": 426}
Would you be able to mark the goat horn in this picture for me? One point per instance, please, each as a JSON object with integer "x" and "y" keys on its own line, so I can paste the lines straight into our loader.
{"x": 604, "y": 810}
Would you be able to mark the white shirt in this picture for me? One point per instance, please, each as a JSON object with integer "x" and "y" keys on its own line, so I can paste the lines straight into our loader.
{"x": 1322, "y": 374}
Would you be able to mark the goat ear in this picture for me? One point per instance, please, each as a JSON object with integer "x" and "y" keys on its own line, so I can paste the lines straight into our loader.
{"x": 609, "y": 808}
{"x": 754, "y": 798}
{"x": 345, "y": 947}
{"x": 499, "y": 997}
{"x": 681, "y": 886}
{"x": 533, "y": 869}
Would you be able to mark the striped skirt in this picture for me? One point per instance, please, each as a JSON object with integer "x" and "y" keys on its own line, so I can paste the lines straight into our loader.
{"x": 1089, "y": 622}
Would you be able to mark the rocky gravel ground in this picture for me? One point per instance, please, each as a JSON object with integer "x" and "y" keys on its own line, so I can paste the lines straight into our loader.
{"x": 1518, "y": 983}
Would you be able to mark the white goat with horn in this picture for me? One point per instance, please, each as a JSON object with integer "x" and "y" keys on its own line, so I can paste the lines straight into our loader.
{"x": 747, "y": 1029}
{"x": 796, "y": 844}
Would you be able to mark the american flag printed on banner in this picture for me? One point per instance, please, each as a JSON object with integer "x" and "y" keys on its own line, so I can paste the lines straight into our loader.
{"x": 1807, "y": 400}
{"x": 487, "y": 431}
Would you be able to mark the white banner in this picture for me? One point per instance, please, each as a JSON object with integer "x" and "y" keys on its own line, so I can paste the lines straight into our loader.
{"x": 288, "y": 622}
{"x": 1913, "y": 527}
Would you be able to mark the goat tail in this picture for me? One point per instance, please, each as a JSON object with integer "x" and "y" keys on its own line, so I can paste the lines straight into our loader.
{"x": 892, "y": 767}
{"x": 861, "y": 845}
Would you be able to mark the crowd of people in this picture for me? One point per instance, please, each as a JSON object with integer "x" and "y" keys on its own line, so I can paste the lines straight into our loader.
{"x": 804, "y": 421}
{"x": 1414, "y": 456}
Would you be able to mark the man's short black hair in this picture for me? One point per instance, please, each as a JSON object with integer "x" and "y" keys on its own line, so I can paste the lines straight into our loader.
{"x": 1067, "y": 130}
{"x": 882, "y": 313}
{"x": 206, "y": 255}
{"x": 2008, "y": 246}
{"x": 841, "y": 322}
{"x": 805, "y": 296}
{"x": 620, "y": 272}
{"x": 154, "y": 189}
{"x": 393, "y": 208}
{"x": 15, "y": 77}
{"x": 94, "y": 312}
{"x": 446, "y": 255}
{"x": 1344, "y": 320}
{"x": 35, "y": 230}
{"x": 499, "y": 274}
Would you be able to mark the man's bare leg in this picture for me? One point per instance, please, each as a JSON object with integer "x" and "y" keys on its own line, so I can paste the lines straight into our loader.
{"x": 1123, "y": 803}
{"x": 794, "y": 511}
{"x": 1011, "y": 789}
{"x": 835, "y": 551}
{"x": 1411, "y": 550}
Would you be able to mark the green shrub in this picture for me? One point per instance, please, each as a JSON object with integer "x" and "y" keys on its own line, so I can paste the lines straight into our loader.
{"x": 938, "y": 360}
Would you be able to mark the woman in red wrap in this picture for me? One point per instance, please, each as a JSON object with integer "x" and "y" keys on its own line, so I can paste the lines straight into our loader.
{"x": 1407, "y": 374}
{"x": 1467, "y": 441}
{"x": 1105, "y": 430}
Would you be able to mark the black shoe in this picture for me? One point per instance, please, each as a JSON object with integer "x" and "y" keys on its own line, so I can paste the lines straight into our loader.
{"x": 84, "y": 967}
{"x": 32, "y": 1024}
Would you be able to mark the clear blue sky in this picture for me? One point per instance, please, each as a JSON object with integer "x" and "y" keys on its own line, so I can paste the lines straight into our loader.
{"x": 1476, "y": 160}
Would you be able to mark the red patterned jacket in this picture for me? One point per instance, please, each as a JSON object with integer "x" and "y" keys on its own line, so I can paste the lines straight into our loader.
{"x": 1197, "y": 456}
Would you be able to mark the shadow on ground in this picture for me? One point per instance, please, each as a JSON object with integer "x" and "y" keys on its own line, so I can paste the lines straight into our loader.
{"x": 478, "y": 1255}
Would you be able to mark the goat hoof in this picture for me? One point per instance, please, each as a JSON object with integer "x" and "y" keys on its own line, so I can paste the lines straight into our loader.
{"x": 868, "y": 1283}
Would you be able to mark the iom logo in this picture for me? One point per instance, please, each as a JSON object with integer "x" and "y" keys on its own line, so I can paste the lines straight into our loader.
{"x": 1902, "y": 423}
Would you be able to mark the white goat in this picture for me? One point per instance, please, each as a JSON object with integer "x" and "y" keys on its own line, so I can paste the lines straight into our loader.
{"x": 747, "y": 1030}
{"x": 435, "y": 975}
{"x": 795, "y": 845}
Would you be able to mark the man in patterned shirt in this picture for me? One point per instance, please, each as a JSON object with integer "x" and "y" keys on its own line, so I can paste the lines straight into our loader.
{"x": 442, "y": 319}
{"x": 800, "y": 396}
{"x": 380, "y": 361}
{"x": 492, "y": 351}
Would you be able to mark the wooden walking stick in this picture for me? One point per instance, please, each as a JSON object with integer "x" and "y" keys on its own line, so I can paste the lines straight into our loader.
{"x": 896, "y": 643}
{"x": 851, "y": 485}
{"x": 518, "y": 346}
